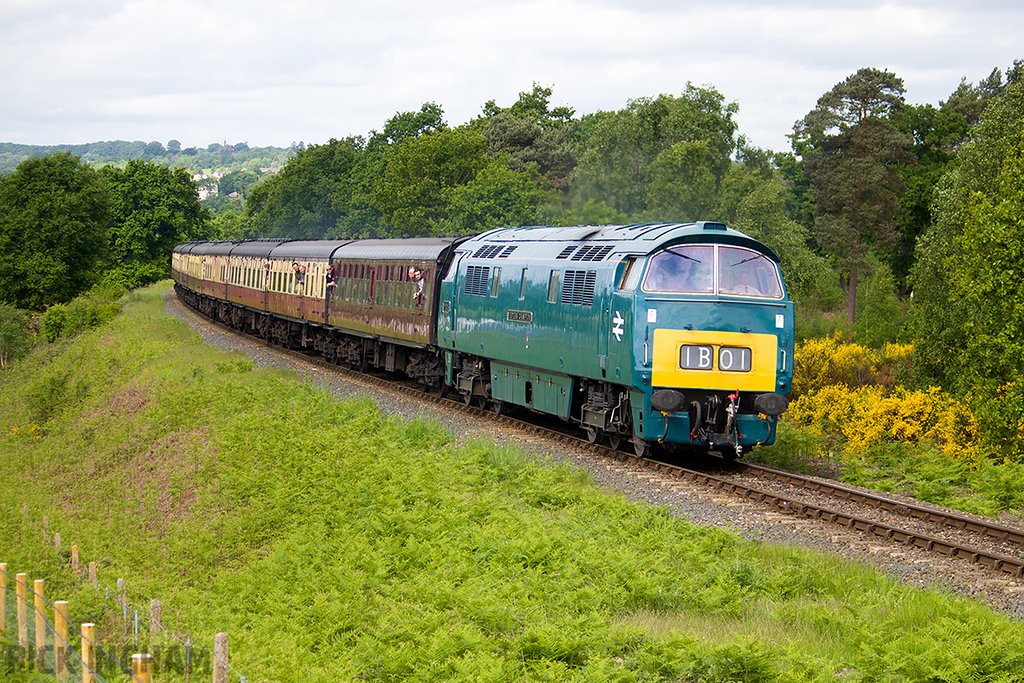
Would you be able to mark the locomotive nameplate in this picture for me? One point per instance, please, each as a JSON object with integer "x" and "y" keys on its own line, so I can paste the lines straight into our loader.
{"x": 519, "y": 316}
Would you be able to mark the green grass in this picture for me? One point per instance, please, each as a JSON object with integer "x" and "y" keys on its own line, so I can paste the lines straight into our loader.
{"x": 332, "y": 543}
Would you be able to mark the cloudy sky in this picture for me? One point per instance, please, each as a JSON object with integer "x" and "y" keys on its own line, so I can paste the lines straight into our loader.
{"x": 273, "y": 72}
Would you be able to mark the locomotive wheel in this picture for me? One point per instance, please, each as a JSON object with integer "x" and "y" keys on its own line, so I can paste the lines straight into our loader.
{"x": 467, "y": 399}
{"x": 497, "y": 406}
{"x": 642, "y": 447}
{"x": 592, "y": 435}
{"x": 614, "y": 441}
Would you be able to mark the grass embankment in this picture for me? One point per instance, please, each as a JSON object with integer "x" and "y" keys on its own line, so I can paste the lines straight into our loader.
{"x": 334, "y": 544}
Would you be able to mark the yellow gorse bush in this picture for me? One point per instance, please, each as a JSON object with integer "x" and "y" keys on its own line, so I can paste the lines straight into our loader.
{"x": 846, "y": 393}
{"x": 829, "y": 361}
{"x": 872, "y": 415}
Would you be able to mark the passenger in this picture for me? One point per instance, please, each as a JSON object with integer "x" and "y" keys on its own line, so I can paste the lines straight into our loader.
{"x": 416, "y": 275}
{"x": 330, "y": 277}
{"x": 300, "y": 272}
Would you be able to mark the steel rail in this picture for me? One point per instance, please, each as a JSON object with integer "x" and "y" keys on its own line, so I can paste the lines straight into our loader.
{"x": 994, "y": 530}
{"x": 1006, "y": 564}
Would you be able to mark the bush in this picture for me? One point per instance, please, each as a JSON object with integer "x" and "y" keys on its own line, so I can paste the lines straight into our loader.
{"x": 97, "y": 306}
{"x": 15, "y": 337}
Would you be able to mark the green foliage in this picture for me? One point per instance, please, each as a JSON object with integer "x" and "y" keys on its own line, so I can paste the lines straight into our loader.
{"x": 84, "y": 312}
{"x": 325, "y": 191}
{"x": 881, "y": 317}
{"x": 663, "y": 157}
{"x": 154, "y": 208}
{"x": 253, "y": 504}
{"x": 54, "y": 213}
{"x": 443, "y": 183}
{"x": 966, "y": 259}
{"x": 851, "y": 152}
{"x": 15, "y": 337}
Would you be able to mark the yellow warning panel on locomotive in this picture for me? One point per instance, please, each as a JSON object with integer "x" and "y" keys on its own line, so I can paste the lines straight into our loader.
{"x": 714, "y": 360}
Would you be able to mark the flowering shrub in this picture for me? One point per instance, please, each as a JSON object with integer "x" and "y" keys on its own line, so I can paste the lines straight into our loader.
{"x": 848, "y": 394}
{"x": 829, "y": 361}
{"x": 856, "y": 420}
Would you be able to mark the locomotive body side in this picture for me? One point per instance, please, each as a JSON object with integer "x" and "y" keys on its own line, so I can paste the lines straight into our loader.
{"x": 580, "y": 329}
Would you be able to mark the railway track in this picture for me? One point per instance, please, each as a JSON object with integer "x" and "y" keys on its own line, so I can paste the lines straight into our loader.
{"x": 988, "y": 544}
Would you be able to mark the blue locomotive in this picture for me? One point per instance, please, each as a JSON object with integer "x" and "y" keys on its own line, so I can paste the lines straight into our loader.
{"x": 678, "y": 335}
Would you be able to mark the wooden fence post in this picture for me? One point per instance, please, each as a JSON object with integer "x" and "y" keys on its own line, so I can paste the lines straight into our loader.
{"x": 74, "y": 559}
{"x": 3, "y": 599}
{"x": 220, "y": 658}
{"x": 88, "y": 653}
{"x": 40, "y": 606}
{"x": 155, "y": 621}
{"x": 92, "y": 573}
{"x": 141, "y": 669}
{"x": 60, "y": 640}
{"x": 22, "y": 591}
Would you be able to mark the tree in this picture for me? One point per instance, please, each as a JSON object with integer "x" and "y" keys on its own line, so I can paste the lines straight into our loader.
{"x": 154, "y": 208}
{"x": 966, "y": 277}
{"x": 420, "y": 175}
{"x": 936, "y": 134}
{"x": 154, "y": 149}
{"x": 852, "y": 151}
{"x": 237, "y": 182}
{"x": 54, "y": 213}
{"x": 404, "y": 125}
{"x": 496, "y": 197}
{"x": 534, "y": 137}
{"x": 323, "y": 191}
{"x": 635, "y": 160}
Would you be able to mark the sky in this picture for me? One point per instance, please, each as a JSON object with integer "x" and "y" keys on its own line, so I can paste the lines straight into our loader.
{"x": 277, "y": 72}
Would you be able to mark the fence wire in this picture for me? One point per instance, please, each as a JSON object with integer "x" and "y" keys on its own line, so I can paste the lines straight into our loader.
{"x": 24, "y": 655}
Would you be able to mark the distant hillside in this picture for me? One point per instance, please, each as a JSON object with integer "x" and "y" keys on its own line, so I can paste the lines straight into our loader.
{"x": 212, "y": 158}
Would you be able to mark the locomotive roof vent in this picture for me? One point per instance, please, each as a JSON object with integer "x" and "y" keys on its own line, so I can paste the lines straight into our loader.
{"x": 494, "y": 251}
{"x": 595, "y": 252}
{"x": 713, "y": 226}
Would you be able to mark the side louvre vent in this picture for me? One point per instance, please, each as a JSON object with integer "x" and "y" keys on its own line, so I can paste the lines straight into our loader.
{"x": 476, "y": 280}
{"x": 508, "y": 250}
{"x": 578, "y": 287}
{"x": 566, "y": 252}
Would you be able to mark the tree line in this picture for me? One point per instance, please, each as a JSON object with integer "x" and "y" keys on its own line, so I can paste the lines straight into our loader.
{"x": 879, "y": 203}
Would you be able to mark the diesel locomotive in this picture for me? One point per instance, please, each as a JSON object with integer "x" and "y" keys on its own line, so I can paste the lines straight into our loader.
{"x": 659, "y": 335}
